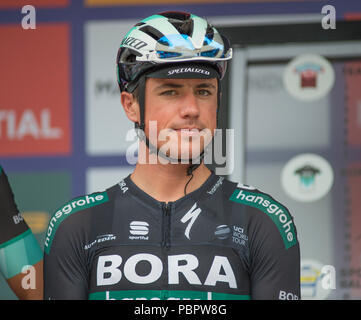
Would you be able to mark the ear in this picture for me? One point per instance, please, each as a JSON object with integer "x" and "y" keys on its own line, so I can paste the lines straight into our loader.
{"x": 130, "y": 106}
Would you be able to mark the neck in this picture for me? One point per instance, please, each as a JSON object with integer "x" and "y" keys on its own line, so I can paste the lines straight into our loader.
{"x": 166, "y": 182}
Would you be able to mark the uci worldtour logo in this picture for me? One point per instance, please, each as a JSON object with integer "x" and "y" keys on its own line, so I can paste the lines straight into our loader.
{"x": 223, "y": 232}
{"x": 184, "y": 145}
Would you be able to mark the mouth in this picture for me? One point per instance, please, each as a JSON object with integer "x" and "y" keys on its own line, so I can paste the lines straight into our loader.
{"x": 188, "y": 131}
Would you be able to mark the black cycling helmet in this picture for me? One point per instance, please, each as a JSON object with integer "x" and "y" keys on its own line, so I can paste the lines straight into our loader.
{"x": 170, "y": 45}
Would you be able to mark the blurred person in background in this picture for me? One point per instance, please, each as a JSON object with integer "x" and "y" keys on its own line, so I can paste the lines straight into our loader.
{"x": 21, "y": 258}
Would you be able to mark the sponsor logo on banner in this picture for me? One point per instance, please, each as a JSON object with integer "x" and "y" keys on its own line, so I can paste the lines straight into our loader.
{"x": 309, "y": 77}
{"x": 307, "y": 177}
{"x": 313, "y": 276}
{"x": 35, "y": 3}
{"x": 106, "y": 3}
{"x": 35, "y": 104}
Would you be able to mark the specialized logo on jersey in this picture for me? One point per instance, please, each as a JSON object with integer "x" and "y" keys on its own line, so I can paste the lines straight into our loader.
{"x": 191, "y": 215}
{"x": 278, "y": 213}
{"x": 138, "y": 230}
{"x": 70, "y": 208}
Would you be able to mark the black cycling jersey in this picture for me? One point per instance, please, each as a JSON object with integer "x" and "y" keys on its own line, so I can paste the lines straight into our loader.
{"x": 221, "y": 241}
{"x": 18, "y": 245}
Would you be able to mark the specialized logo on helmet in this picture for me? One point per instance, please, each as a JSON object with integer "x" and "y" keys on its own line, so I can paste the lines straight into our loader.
{"x": 133, "y": 42}
{"x": 188, "y": 70}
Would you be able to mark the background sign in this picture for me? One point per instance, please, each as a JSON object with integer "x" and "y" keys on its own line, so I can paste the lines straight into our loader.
{"x": 35, "y": 113}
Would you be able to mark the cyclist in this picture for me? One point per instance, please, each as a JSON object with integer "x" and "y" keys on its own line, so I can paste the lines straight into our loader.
{"x": 172, "y": 229}
{"x": 21, "y": 258}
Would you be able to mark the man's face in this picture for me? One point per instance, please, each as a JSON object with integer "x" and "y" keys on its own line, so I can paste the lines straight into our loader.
{"x": 185, "y": 114}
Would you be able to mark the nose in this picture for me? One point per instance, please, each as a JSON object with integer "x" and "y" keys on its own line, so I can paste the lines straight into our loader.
{"x": 189, "y": 107}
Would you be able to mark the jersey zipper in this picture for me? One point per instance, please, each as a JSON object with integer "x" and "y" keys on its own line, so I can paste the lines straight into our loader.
{"x": 166, "y": 225}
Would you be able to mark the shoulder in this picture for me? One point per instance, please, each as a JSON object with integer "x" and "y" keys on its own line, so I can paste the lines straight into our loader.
{"x": 12, "y": 223}
{"x": 264, "y": 211}
{"x": 75, "y": 215}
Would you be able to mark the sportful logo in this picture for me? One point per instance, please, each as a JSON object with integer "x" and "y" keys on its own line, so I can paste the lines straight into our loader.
{"x": 188, "y": 70}
{"x": 139, "y": 230}
{"x": 70, "y": 208}
{"x": 278, "y": 213}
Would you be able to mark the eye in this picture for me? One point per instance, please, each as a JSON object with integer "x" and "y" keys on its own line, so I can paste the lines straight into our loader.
{"x": 168, "y": 93}
{"x": 204, "y": 92}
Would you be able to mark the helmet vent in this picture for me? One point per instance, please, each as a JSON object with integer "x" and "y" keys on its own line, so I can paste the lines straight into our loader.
{"x": 183, "y": 27}
{"x": 209, "y": 33}
{"x": 151, "y": 31}
{"x": 182, "y": 21}
{"x": 139, "y": 24}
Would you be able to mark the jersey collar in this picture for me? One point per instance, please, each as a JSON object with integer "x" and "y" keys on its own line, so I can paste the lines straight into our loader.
{"x": 204, "y": 191}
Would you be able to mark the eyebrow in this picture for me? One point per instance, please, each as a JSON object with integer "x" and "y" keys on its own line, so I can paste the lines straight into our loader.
{"x": 176, "y": 85}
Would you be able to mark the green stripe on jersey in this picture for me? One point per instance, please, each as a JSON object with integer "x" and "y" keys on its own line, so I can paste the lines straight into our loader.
{"x": 277, "y": 212}
{"x": 71, "y": 207}
{"x": 19, "y": 252}
{"x": 164, "y": 295}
